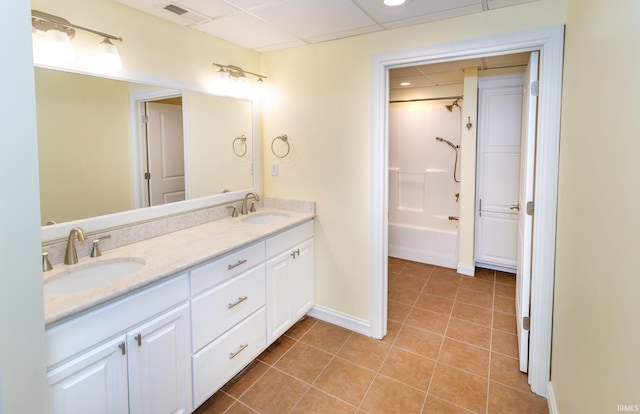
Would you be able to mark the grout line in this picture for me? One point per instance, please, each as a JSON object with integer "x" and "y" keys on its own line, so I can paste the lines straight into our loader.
{"x": 493, "y": 304}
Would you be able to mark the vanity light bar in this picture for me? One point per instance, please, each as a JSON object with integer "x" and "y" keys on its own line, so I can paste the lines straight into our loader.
{"x": 238, "y": 72}
{"x": 45, "y": 21}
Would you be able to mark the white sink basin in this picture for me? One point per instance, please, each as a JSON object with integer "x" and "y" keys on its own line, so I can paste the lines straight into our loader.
{"x": 92, "y": 275}
{"x": 265, "y": 218}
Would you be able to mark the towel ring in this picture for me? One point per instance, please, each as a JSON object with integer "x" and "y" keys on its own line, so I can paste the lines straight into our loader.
{"x": 284, "y": 139}
{"x": 243, "y": 151}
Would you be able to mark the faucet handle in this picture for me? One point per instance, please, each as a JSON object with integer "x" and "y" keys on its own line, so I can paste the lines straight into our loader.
{"x": 234, "y": 212}
{"x": 46, "y": 264}
{"x": 95, "y": 250}
{"x": 253, "y": 207}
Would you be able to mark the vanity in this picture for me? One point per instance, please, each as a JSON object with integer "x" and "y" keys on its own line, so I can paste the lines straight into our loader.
{"x": 165, "y": 337}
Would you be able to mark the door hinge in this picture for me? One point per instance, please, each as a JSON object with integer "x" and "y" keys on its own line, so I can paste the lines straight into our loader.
{"x": 535, "y": 88}
{"x": 145, "y": 119}
{"x": 530, "y": 208}
{"x": 147, "y": 176}
{"x": 526, "y": 323}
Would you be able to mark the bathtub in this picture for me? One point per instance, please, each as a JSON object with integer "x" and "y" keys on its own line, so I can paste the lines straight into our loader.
{"x": 437, "y": 246}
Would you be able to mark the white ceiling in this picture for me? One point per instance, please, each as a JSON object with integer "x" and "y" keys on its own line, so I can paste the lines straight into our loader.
{"x": 266, "y": 25}
{"x": 450, "y": 73}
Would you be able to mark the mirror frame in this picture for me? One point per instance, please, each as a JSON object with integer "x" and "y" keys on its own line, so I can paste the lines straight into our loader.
{"x": 56, "y": 232}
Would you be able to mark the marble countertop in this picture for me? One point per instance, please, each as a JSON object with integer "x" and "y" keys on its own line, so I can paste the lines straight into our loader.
{"x": 165, "y": 256}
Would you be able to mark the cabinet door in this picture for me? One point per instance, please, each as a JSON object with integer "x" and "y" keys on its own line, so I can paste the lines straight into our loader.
{"x": 302, "y": 279}
{"x": 159, "y": 364}
{"x": 94, "y": 382}
{"x": 279, "y": 315}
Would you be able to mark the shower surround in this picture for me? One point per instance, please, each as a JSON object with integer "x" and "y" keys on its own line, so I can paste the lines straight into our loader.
{"x": 423, "y": 195}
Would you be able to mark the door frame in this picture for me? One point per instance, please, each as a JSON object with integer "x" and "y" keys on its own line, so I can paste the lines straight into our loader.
{"x": 550, "y": 42}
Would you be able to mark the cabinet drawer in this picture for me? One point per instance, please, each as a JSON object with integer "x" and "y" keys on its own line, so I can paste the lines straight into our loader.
{"x": 218, "y": 309}
{"x": 281, "y": 242}
{"x": 226, "y": 267}
{"x": 218, "y": 362}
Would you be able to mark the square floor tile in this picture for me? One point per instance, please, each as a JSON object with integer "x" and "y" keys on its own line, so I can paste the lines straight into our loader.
{"x": 408, "y": 368}
{"x": 327, "y": 337}
{"x": 318, "y": 402}
{"x": 364, "y": 351}
{"x": 274, "y": 393}
{"x": 466, "y": 357}
{"x": 345, "y": 380}
{"x": 459, "y": 387}
{"x": 418, "y": 341}
{"x": 304, "y": 362}
{"x": 388, "y": 396}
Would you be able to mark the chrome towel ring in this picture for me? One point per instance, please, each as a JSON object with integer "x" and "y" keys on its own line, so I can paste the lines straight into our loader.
{"x": 239, "y": 146}
{"x": 285, "y": 140}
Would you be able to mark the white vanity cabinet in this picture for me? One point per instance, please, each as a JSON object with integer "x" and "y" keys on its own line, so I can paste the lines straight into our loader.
{"x": 141, "y": 363}
{"x": 168, "y": 347}
{"x": 290, "y": 278}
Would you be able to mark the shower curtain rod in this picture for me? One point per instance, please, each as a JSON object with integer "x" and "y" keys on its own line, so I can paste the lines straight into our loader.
{"x": 445, "y": 98}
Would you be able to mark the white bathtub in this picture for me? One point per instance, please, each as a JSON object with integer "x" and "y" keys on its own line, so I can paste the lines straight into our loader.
{"x": 426, "y": 245}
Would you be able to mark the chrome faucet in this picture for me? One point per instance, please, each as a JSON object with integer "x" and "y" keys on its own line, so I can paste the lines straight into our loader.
{"x": 244, "y": 209}
{"x": 71, "y": 256}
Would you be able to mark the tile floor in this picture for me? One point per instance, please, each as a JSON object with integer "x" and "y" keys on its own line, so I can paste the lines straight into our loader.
{"x": 451, "y": 348}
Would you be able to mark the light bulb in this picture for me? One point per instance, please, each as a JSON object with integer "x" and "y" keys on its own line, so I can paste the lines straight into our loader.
{"x": 392, "y": 3}
{"x": 106, "y": 56}
{"x": 57, "y": 47}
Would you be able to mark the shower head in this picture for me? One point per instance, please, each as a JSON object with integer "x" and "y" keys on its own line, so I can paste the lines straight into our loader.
{"x": 455, "y": 103}
{"x": 446, "y": 141}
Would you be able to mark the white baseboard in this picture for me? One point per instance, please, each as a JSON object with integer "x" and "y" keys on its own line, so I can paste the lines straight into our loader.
{"x": 360, "y": 326}
{"x": 551, "y": 399}
{"x": 466, "y": 270}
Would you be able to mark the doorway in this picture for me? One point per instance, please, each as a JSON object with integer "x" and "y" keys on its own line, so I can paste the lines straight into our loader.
{"x": 549, "y": 41}
{"x": 158, "y": 148}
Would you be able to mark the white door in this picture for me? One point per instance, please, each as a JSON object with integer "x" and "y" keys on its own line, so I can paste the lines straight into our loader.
{"x": 160, "y": 365}
{"x": 525, "y": 221}
{"x": 94, "y": 382}
{"x": 499, "y": 130}
{"x": 166, "y": 153}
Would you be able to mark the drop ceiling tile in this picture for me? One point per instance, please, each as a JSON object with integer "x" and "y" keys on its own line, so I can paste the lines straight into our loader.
{"x": 251, "y": 4}
{"x": 516, "y": 59}
{"x": 419, "y": 10}
{"x": 233, "y": 29}
{"x": 347, "y": 33}
{"x": 210, "y": 8}
{"x": 447, "y": 78}
{"x": 404, "y": 72}
{"x": 495, "y": 4}
{"x": 312, "y": 18}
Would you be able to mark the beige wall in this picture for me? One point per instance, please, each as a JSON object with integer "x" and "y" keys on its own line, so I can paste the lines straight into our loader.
{"x": 84, "y": 146}
{"x": 22, "y": 366}
{"x": 596, "y": 340}
{"x": 213, "y": 123}
{"x": 324, "y": 107}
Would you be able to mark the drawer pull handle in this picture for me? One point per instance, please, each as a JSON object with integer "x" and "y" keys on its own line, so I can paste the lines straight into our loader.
{"x": 123, "y": 347}
{"x": 235, "y": 354}
{"x": 229, "y": 267}
{"x": 236, "y": 303}
{"x": 139, "y": 339}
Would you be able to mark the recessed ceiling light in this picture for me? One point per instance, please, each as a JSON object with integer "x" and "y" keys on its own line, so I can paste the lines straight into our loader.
{"x": 405, "y": 83}
{"x": 393, "y": 3}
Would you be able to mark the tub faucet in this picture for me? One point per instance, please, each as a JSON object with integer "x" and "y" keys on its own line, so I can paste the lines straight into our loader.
{"x": 71, "y": 256}
{"x": 244, "y": 209}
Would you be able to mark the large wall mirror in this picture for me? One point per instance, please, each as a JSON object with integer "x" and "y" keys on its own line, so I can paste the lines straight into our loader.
{"x": 113, "y": 152}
